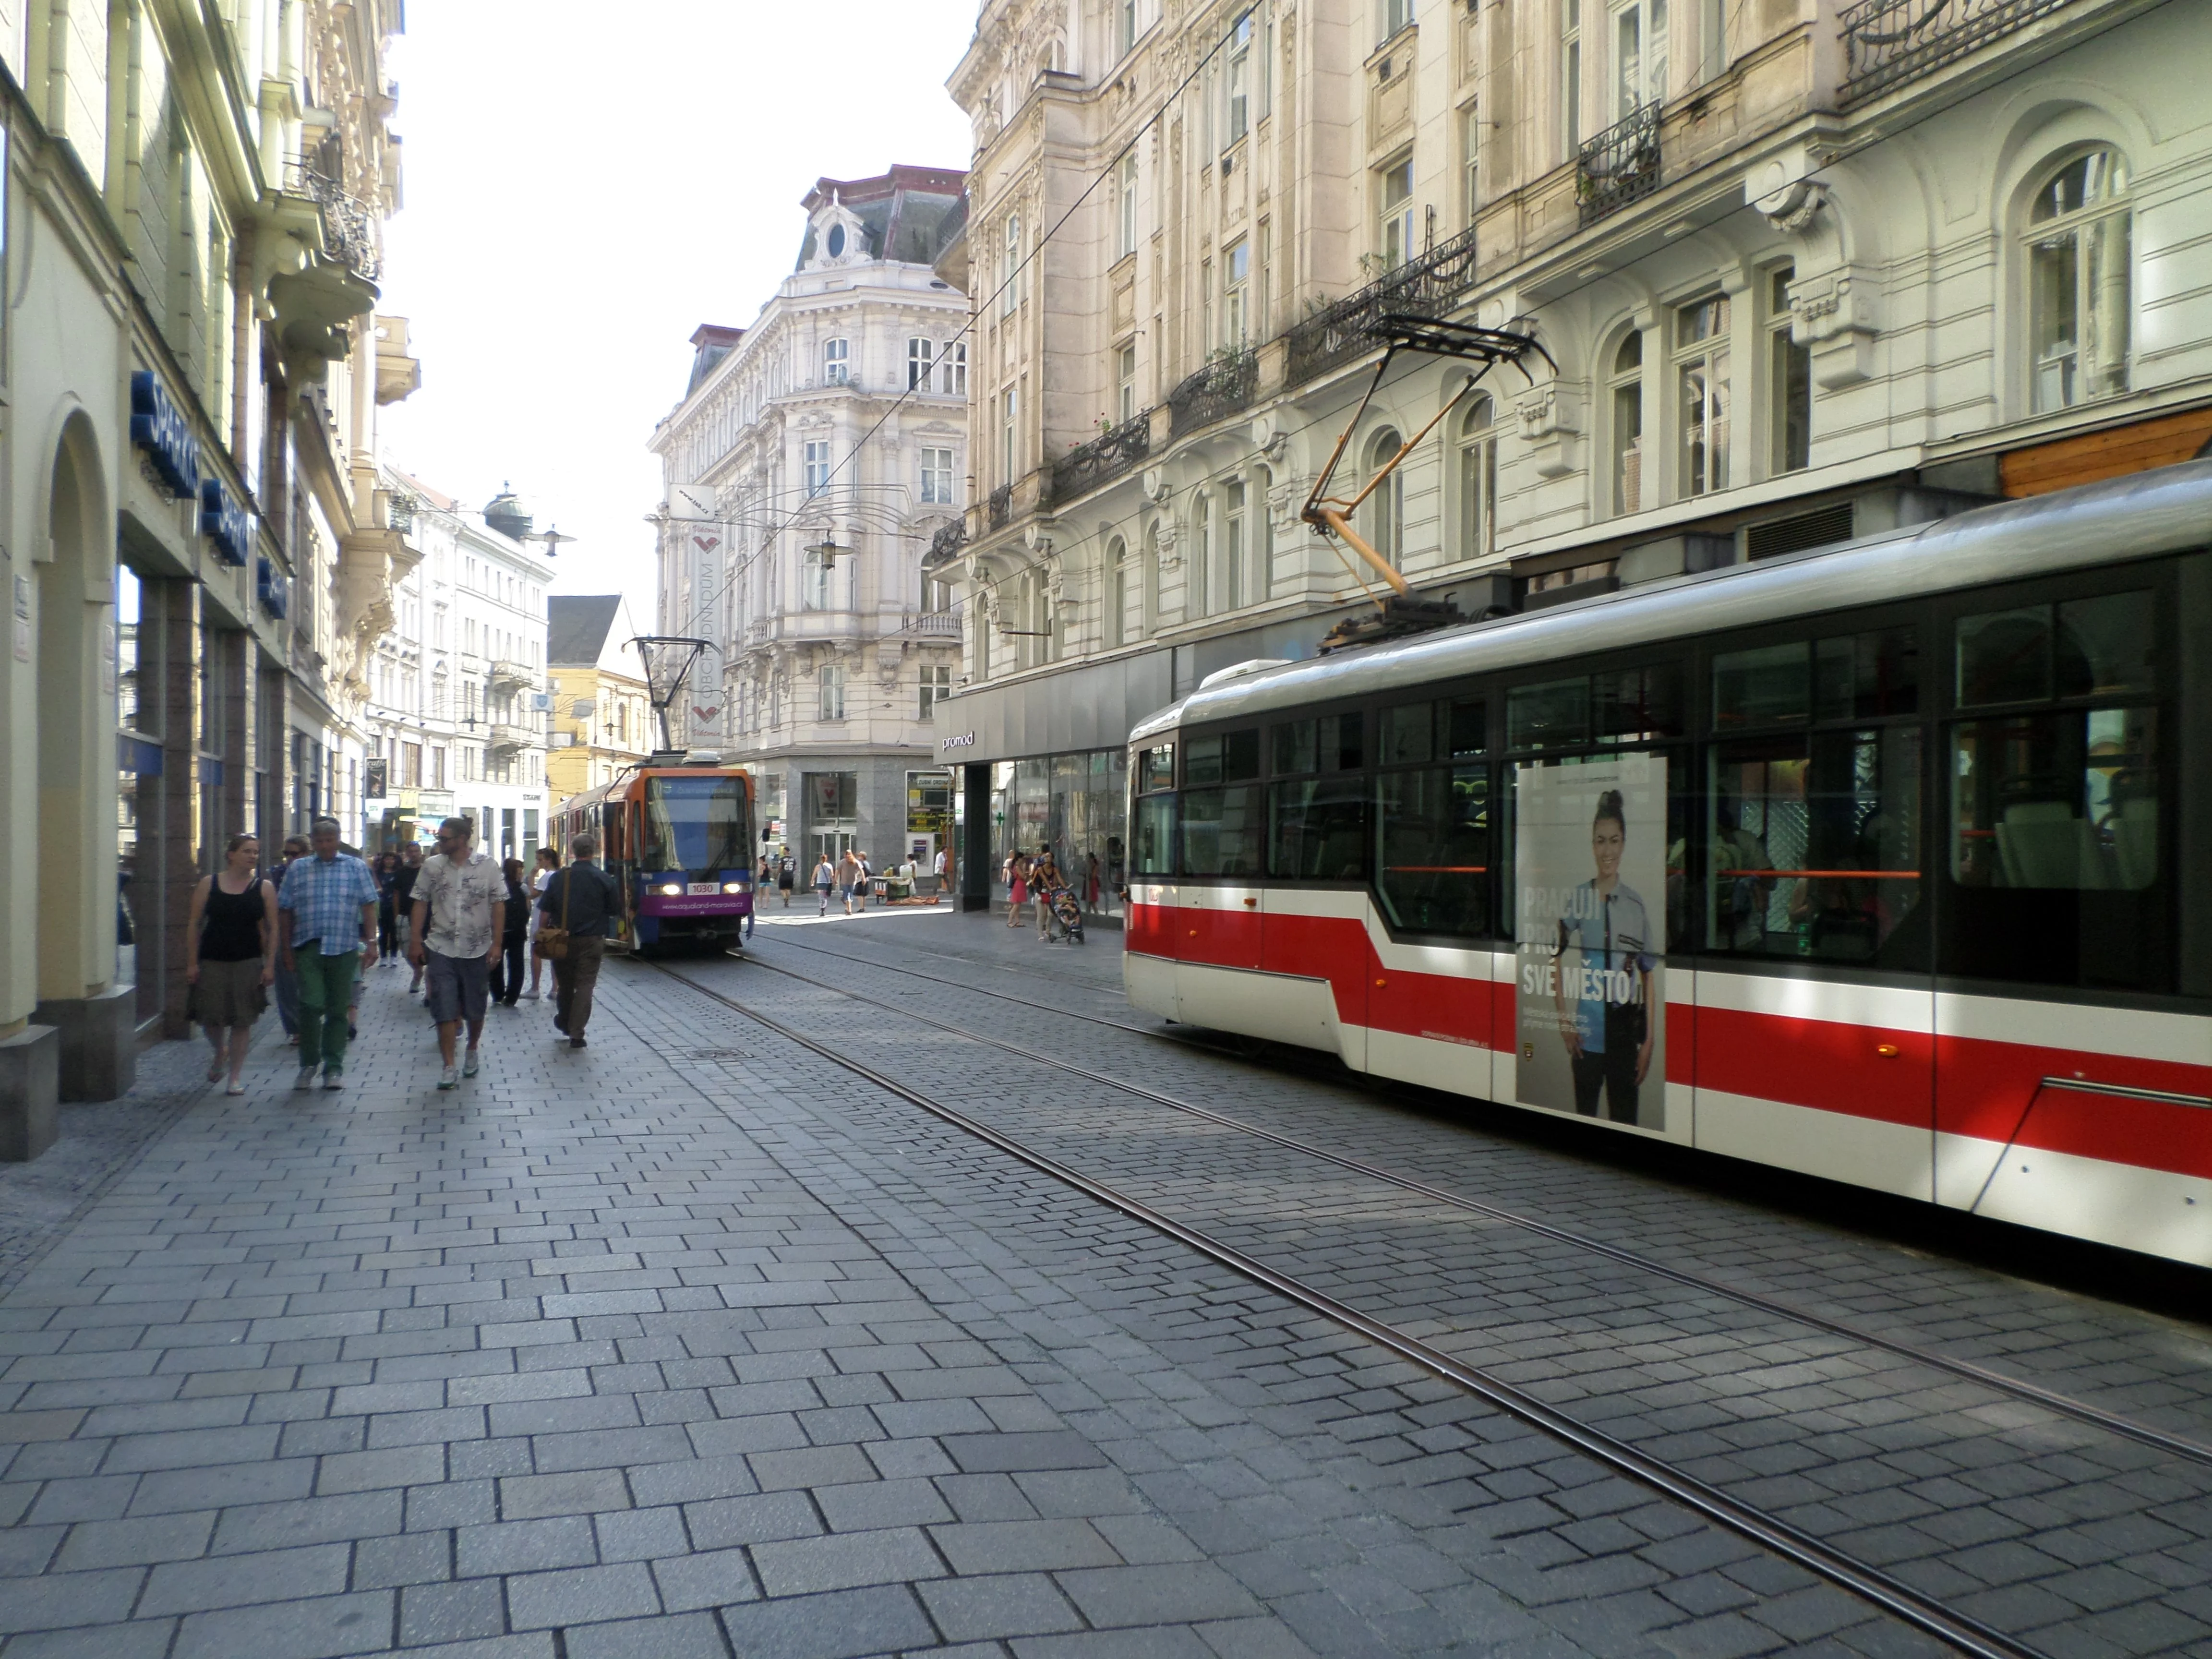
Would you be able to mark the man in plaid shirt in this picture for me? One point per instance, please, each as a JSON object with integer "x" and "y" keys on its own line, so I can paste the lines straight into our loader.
{"x": 332, "y": 898}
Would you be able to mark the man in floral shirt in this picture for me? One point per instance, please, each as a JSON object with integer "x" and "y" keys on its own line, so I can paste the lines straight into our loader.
{"x": 461, "y": 908}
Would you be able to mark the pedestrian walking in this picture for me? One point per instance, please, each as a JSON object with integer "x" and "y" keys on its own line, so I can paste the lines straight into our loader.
{"x": 403, "y": 904}
{"x": 849, "y": 872}
{"x": 460, "y": 907}
{"x": 513, "y": 938}
{"x": 386, "y": 868}
{"x": 547, "y": 862}
{"x": 943, "y": 868}
{"x": 824, "y": 879}
{"x": 230, "y": 956}
{"x": 864, "y": 879}
{"x": 288, "y": 982}
{"x": 332, "y": 901}
{"x": 1017, "y": 887}
{"x": 580, "y": 908}
{"x": 787, "y": 872}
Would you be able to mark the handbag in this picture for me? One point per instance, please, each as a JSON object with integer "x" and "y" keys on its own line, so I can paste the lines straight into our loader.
{"x": 553, "y": 942}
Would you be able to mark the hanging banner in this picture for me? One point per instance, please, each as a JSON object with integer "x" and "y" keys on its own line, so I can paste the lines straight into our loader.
{"x": 1590, "y": 871}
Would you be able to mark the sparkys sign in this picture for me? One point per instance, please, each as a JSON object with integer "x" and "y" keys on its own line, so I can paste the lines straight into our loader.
{"x": 1591, "y": 938}
{"x": 159, "y": 428}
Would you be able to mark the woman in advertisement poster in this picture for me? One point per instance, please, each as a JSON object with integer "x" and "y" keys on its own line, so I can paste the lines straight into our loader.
{"x": 1604, "y": 1005}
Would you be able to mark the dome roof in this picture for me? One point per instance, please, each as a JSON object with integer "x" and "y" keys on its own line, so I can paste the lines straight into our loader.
{"x": 506, "y": 513}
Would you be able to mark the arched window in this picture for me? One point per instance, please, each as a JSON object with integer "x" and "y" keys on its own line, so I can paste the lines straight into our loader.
{"x": 1118, "y": 631}
{"x": 2076, "y": 254}
{"x": 1197, "y": 602}
{"x": 1627, "y": 382}
{"x": 1235, "y": 588}
{"x": 1478, "y": 479}
{"x": 1386, "y": 508}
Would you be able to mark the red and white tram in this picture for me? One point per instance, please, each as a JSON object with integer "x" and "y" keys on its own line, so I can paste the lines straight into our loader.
{"x": 1891, "y": 864}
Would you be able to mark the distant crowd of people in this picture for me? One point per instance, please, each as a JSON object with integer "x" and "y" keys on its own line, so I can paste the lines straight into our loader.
{"x": 464, "y": 921}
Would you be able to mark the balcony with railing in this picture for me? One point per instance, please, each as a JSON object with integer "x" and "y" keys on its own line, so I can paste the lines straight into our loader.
{"x": 1337, "y": 334}
{"x": 1215, "y": 393}
{"x": 1619, "y": 166}
{"x": 350, "y": 226}
{"x": 1889, "y": 42}
{"x": 505, "y": 671}
{"x": 932, "y": 624}
{"x": 507, "y": 737}
{"x": 1104, "y": 459}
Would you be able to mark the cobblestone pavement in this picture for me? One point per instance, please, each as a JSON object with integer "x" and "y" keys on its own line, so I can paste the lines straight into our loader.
{"x": 692, "y": 1343}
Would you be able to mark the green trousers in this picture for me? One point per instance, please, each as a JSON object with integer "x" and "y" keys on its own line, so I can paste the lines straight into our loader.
{"x": 325, "y": 985}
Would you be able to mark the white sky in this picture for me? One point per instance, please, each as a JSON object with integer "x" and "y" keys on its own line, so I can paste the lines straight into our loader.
{"x": 585, "y": 185}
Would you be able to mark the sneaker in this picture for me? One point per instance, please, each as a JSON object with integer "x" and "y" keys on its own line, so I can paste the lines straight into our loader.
{"x": 333, "y": 1077}
{"x": 577, "y": 1042}
{"x": 305, "y": 1080}
{"x": 531, "y": 995}
{"x": 450, "y": 1079}
{"x": 469, "y": 1063}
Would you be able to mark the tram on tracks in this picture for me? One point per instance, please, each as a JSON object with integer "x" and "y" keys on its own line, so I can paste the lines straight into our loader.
{"x": 1890, "y": 864}
{"x": 678, "y": 838}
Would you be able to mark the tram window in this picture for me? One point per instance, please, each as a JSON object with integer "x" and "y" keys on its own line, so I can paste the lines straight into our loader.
{"x": 1230, "y": 758}
{"x": 1221, "y": 830}
{"x": 1409, "y": 735}
{"x": 1813, "y": 844}
{"x": 1763, "y": 686}
{"x": 2105, "y": 646}
{"x": 696, "y": 824}
{"x": 2004, "y": 656}
{"x": 1550, "y": 715}
{"x": 1297, "y": 749}
{"x": 1635, "y": 705}
{"x": 1317, "y": 830}
{"x": 1432, "y": 857}
{"x": 2054, "y": 864}
{"x": 1468, "y": 728}
{"x": 1156, "y": 769}
{"x": 2067, "y": 800}
{"x": 1863, "y": 677}
{"x": 1151, "y": 848}
{"x": 1343, "y": 748}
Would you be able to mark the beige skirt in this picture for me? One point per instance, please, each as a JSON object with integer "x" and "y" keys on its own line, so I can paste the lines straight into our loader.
{"x": 229, "y": 992}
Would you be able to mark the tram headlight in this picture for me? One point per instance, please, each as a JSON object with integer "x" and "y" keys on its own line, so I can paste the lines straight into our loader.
{"x": 672, "y": 890}
{"x": 734, "y": 887}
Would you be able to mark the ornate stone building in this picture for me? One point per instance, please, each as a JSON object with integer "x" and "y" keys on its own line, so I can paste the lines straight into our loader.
{"x": 1803, "y": 271}
{"x": 813, "y": 458}
{"x": 198, "y": 558}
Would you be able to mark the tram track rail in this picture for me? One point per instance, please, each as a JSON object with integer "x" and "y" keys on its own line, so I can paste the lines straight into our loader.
{"x": 2019, "y": 1389}
{"x": 1870, "y": 1583}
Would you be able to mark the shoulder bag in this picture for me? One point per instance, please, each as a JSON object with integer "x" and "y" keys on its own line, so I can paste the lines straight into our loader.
{"x": 553, "y": 942}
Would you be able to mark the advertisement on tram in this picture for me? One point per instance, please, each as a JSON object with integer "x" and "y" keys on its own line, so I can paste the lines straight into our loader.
{"x": 1590, "y": 845}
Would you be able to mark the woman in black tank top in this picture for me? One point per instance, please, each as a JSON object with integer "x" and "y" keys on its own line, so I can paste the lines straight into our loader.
{"x": 228, "y": 957}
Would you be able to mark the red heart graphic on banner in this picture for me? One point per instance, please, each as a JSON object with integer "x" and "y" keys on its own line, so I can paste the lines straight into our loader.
{"x": 707, "y": 543}
{"x": 704, "y": 713}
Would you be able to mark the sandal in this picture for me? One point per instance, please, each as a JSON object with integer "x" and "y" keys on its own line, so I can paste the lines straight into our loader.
{"x": 215, "y": 1073}
{"x": 235, "y": 1089}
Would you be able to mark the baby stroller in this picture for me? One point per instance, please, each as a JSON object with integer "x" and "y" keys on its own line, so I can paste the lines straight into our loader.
{"x": 1063, "y": 916}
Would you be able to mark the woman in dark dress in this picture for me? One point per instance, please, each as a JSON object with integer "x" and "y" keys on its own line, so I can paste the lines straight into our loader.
{"x": 506, "y": 972}
{"x": 230, "y": 955}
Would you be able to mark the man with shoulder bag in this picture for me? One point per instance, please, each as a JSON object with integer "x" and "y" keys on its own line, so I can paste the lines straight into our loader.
{"x": 580, "y": 906}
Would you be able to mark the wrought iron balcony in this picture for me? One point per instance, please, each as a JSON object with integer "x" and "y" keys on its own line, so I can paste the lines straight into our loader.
{"x": 349, "y": 225}
{"x": 999, "y": 507}
{"x": 1619, "y": 166}
{"x": 1107, "y": 456}
{"x": 1215, "y": 393}
{"x": 1889, "y": 42}
{"x": 1426, "y": 286}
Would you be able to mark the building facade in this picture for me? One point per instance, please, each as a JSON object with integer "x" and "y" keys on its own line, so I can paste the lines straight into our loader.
{"x": 459, "y": 700}
{"x": 814, "y": 457}
{"x": 1800, "y": 272}
{"x": 197, "y": 557}
{"x": 602, "y": 715}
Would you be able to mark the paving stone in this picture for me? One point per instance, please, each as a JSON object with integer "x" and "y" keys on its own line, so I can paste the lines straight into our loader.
{"x": 803, "y": 1566}
{"x": 843, "y": 1624}
{"x": 321, "y": 1629}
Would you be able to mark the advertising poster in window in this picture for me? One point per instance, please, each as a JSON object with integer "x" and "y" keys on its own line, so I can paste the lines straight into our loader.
{"x": 1590, "y": 847}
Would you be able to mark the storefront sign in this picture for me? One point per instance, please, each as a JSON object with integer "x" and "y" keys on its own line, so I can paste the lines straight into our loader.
{"x": 965, "y": 740}
{"x": 1591, "y": 943}
{"x": 373, "y": 772}
{"x": 274, "y": 586}
{"x": 159, "y": 428}
{"x": 224, "y": 518}
{"x": 435, "y": 803}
